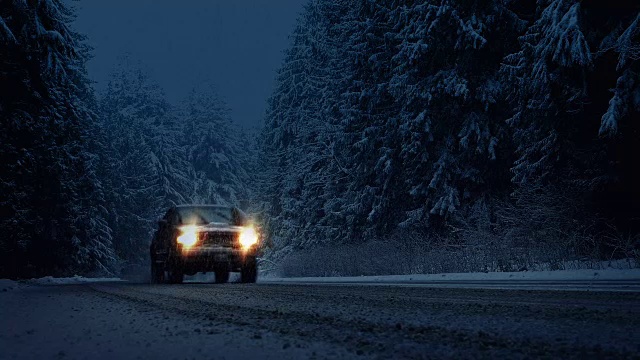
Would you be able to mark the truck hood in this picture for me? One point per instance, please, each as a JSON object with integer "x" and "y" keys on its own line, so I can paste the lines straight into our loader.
{"x": 219, "y": 227}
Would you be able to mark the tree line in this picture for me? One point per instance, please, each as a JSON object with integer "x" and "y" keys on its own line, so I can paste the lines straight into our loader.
{"x": 513, "y": 122}
{"x": 471, "y": 127}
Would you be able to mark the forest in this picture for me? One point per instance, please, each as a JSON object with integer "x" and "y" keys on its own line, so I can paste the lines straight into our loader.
{"x": 415, "y": 136}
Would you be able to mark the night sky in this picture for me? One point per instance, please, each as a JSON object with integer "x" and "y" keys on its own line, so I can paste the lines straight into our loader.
{"x": 237, "y": 44}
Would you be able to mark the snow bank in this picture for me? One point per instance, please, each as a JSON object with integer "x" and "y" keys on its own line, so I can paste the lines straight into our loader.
{"x": 50, "y": 280}
{"x": 559, "y": 275}
{"x": 8, "y": 285}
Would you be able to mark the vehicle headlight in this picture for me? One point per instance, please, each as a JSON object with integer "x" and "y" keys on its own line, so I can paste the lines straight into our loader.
{"x": 188, "y": 236}
{"x": 248, "y": 237}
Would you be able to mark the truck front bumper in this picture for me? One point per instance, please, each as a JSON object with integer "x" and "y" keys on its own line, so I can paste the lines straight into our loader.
{"x": 212, "y": 258}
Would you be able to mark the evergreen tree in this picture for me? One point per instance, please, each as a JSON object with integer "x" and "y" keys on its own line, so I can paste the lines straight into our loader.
{"x": 370, "y": 123}
{"x": 548, "y": 97}
{"x": 148, "y": 171}
{"x": 570, "y": 57}
{"x": 214, "y": 148}
{"x": 452, "y": 142}
{"x": 52, "y": 204}
{"x": 298, "y": 142}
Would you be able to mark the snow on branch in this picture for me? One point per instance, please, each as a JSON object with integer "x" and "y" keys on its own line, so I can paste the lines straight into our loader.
{"x": 628, "y": 45}
{"x": 562, "y": 39}
{"x": 6, "y": 35}
{"x": 618, "y": 105}
{"x": 471, "y": 29}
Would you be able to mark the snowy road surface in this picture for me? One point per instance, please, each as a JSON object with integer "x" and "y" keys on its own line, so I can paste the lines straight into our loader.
{"x": 112, "y": 320}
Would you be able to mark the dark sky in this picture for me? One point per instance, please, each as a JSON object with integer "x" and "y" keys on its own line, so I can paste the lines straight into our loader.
{"x": 238, "y": 44}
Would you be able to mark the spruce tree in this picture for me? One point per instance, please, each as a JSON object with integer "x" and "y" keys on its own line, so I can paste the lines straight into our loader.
{"x": 147, "y": 165}
{"x": 52, "y": 201}
{"x": 213, "y": 148}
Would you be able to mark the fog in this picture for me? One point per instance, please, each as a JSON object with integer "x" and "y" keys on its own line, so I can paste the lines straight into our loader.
{"x": 236, "y": 44}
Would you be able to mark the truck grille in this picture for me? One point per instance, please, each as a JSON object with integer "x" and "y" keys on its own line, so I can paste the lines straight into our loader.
{"x": 218, "y": 238}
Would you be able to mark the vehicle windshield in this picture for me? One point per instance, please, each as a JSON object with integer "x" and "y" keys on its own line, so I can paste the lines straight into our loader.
{"x": 201, "y": 215}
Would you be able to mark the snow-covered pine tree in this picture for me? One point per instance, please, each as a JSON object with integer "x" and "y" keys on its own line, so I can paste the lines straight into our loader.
{"x": 247, "y": 145}
{"x": 148, "y": 167}
{"x": 52, "y": 203}
{"x": 548, "y": 77}
{"x": 451, "y": 138}
{"x": 559, "y": 81}
{"x": 570, "y": 130}
{"x": 626, "y": 94}
{"x": 213, "y": 148}
{"x": 299, "y": 147}
{"x": 615, "y": 179}
{"x": 367, "y": 124}
{"x": 327, "y": 217}
{"x": 282, "y": 147}
{"x": 316, "y": 168}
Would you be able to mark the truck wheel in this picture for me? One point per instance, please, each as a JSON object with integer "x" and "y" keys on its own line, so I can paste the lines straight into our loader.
{"x": 176, "y": 275}
{"x": 157, "y": 273}
{"x": 249, "y": 271}
{"x": 222, "y": 276}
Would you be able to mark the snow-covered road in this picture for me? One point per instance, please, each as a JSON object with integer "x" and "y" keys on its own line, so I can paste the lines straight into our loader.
{"x": 281, "y": 321}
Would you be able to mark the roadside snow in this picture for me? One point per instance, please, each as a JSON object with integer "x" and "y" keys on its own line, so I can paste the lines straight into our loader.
{"x": 50, "y": 280}
{"x": 559, "y": 275}
{"x": 7, "y": 285}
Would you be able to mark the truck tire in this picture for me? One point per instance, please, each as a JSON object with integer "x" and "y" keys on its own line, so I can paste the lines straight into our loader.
{"x": 249, "y": 271}
{"x": 157, "y": 273}
{"x": 222, "y": 276}
{"x": 176, "y": 274}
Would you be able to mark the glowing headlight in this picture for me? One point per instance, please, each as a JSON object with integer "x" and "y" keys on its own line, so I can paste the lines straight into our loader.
{"x": 248, "y": 237}
{"x": 189, "y": 236}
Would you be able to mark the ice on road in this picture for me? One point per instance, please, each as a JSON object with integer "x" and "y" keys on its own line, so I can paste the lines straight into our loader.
{"x": 287, "y": 321}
